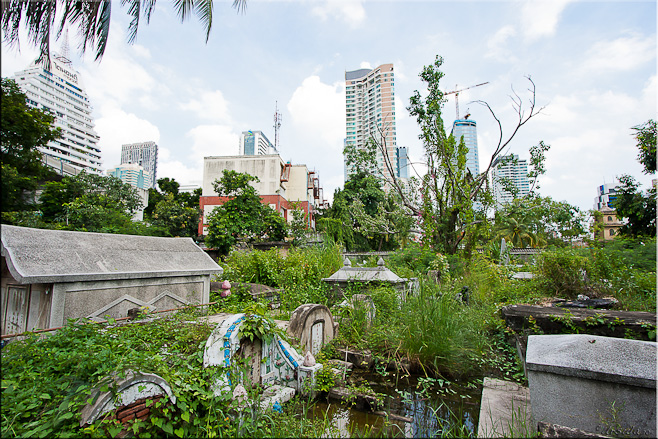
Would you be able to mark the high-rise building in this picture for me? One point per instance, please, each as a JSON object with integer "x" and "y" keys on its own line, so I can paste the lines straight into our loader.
{"x": 370, "y": 113}
{"x": 509, "y": 170}
{"x": 606, "y": 196}
{"x": 144, "y": 154}
{"x": 59, "y": 90}
{"x": 402, "y": 162}
{"x": 468, "y": 130}
{"x": 133, "y": 174}
{"x": 255, "y": 143}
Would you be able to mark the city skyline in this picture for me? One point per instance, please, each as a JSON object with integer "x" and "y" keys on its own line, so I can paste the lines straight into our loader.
{"x": 594, "y": 64}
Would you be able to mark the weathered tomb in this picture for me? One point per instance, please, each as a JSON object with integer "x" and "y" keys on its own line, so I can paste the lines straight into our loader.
{"x": 313, "y": 326}
{"x": 270, "y": 362}
{"x": 601, "y": 385}
{"x": 127, "y": 398}
{"x": 49, "y": 276}
{"x": 368, "y": 277}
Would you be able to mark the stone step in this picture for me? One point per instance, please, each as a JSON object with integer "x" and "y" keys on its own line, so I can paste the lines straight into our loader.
{"x": 276, "y": 394}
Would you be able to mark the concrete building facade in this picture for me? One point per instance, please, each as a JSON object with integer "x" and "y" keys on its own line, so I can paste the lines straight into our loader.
{"x": 59, "y": 90}
{"x": 144, "y": 154}
{"x": 370, "y": 113}
{"x": 255, "y": 143}
{"x": 133, "y": 174}
{"x": 281, "y": 184}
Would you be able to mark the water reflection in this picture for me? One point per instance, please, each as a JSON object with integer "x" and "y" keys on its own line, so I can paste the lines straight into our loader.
{"x": 446, "y": 410}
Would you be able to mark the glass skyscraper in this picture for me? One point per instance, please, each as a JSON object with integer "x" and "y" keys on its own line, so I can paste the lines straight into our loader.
{"x": 468, "y": 129}
{"x": 144, "y": 154}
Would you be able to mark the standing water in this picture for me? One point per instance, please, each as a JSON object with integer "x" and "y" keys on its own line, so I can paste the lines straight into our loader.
{"x": 417, "y": 407}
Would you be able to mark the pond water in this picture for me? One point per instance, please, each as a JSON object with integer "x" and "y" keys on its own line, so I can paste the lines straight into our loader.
{"x": 434, "y": 407}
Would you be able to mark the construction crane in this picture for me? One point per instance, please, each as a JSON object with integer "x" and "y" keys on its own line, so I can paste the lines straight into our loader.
{"x": 456, "y": 93}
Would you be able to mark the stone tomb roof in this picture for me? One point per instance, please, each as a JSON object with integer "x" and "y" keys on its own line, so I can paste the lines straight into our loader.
{"x": 364, "y": 274}
{"x": 52, "y": 256}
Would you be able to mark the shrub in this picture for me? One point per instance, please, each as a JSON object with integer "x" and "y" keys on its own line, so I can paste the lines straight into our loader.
{"x": 564, "y": 272}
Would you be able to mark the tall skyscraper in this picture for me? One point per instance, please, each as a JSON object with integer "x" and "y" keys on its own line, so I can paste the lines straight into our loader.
{"x": 509, "y": 169}
{"x": 59, "y": 90}
{"x": 370, "y": 112}
{"x": 255, "y": 143}
{"x": 144, "y": 154}
{"x": 468, "y": 129}
{"x": 402, "y": 162}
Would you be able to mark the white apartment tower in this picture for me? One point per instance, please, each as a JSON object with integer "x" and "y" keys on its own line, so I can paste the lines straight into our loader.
{"x": 255, "y": 143}
{"x": 144, "y": 154}
{"x": 370, "y": 112}
{"x": 509, "y": 170}
{"x": 59, "y": 90}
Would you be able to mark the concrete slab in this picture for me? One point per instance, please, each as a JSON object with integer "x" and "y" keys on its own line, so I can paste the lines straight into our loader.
{"x": 505, "y": 410}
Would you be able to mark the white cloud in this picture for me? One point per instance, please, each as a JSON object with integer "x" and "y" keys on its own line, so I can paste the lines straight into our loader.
{"x": 318, "y": 110}
{"x": 365, "y": 65}
{"x": 496, "y": 44}
{"x": 213, "y": 140}
{"x": 626, "y": 53}
{"x": 116, "y": 127}
{"x": 540, "y": 18}
{"x": 211, "y": 105}
{"x": 351, "y": 12}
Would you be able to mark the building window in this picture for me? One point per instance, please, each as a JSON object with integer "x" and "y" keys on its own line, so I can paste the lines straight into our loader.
{"x": 612, "y": 232}
{"x": 609, "y": 218}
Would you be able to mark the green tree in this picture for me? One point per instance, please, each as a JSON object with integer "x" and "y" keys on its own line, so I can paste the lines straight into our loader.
{"x": 91, "y": 18}
{"x": 243, "y": 215}
{"x": 548, "y": 221}
{"x": 173, "y": 211}
{"x": 637, "y": 207}
{"x": 645, "y": 135}
{"x": 358, "y": 216}
{"x": 90, "y": 202}
{"x": 444, "y": 197}
{"x": 22, "y": 131}
{"x": 517, "y": 231}
{"x": 175, "y": 217}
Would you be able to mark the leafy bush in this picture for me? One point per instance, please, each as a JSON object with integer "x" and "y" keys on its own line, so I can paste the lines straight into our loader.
{"x": 564, "y": 273}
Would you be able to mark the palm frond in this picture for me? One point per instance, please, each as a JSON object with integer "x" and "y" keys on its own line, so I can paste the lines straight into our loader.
{"x": 203, "y": 9}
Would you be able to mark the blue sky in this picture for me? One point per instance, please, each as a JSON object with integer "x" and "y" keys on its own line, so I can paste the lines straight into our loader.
{"x": 593, "y": 63}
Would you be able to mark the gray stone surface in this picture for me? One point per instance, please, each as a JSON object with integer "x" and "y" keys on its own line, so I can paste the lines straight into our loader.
{"x": 504, "y": 410}
{"x": 364, "y": 274}
{"x": 302, "y": 321}
{"x": 617, "y": 360}
{"x": 596, "y": 384}
{"x": 52, "y": 256}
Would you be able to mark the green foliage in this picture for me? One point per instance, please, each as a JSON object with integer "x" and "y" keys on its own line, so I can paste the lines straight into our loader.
{"x": 47, "y": 382}
{"x": 325, "y": 379}
{"x": 645, "y": 134}
{"x": 563, "y": 273}
{"x": 300, "y": 273}
{"x": 22, "y": 130}
{"x": 362, "y": 217}
{"x": 411, "y": 260}
{"x": 637, "y": 207}
{"x": 242, "y": 216}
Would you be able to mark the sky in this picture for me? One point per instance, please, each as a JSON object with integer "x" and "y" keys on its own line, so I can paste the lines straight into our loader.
{"x": 593, "y": 64}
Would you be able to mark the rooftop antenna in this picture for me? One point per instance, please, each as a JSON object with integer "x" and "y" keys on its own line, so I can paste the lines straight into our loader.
{"x": 64, "y": 50}
{"x": 277, "y": 126}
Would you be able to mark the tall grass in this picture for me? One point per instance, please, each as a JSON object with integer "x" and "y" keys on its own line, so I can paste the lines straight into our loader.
{"x": 441, "y": 332}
